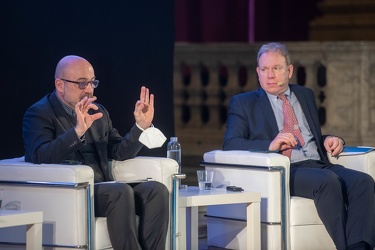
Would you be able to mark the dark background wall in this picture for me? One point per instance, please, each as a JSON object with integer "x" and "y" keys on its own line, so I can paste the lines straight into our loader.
{"x": 129, "y": 43}
{"x": 207, "y": 21}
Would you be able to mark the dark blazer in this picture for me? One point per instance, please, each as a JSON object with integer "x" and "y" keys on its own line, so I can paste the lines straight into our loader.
{"x": 49, "y": 136}
{"x": 252, "y": 124}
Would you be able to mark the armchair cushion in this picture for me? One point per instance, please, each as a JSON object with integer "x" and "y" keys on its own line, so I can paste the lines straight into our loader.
{"x": 102, "y": 240}
{"x": 300, "y": 207}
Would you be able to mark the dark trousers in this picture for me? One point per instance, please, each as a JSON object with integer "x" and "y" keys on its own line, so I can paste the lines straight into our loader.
{"x": 120, "y": 202}
{"x": 344, "y": 199}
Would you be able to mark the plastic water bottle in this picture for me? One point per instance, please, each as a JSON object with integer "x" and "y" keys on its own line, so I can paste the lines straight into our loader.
{"x": 174, "y": 151}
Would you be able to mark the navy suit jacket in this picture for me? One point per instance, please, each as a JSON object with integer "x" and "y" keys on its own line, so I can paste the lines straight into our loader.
{"x": 251, "y": 122}
{"x": 49, "y": 136}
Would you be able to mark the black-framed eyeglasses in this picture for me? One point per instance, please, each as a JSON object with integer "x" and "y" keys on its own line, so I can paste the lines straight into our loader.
{"x": 83, "y": 85}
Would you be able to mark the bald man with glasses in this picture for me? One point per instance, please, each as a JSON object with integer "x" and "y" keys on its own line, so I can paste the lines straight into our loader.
{"x": 67, "y": 126}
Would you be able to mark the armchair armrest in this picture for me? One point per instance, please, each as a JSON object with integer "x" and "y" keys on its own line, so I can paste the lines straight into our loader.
{"x": 364, "y": 162}
{"x": 17, "y": 169}
{"x": 243, "y": 157}
{"x": 142, "y": 167}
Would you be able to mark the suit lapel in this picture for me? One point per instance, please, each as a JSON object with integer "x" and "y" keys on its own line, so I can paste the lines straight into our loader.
{"x": 60, "y": 113}
{"x": 268, "y": 112}
{"x": 62, "y": 117}
{"x": 94, "y": 131}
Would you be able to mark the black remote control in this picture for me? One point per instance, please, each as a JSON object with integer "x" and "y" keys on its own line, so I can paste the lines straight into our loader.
{"x": 234, "y": 189}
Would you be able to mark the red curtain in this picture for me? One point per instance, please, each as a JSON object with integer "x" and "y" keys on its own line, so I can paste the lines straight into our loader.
{"x": 211, "y": 20}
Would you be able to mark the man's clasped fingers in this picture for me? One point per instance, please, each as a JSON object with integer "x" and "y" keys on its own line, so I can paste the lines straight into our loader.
{"x": 86, "y": 104}
{"x": 288, "y": 139}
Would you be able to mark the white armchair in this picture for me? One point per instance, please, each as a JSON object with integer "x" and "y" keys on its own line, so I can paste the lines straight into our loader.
{"x": 287, "y": 222}
{"x": 64, "y": 194}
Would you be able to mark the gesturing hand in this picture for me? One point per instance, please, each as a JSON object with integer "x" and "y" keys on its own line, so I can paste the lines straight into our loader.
{"x": 144, "y": 109}
{"x": 84, "y": 119}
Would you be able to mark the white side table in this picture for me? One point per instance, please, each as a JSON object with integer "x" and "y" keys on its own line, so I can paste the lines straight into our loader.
{"x": 33, "y": 221}
{"x": 193, "y": 198}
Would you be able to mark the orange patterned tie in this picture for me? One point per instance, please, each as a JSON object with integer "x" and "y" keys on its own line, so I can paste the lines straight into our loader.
{"x": 290, "y": 124}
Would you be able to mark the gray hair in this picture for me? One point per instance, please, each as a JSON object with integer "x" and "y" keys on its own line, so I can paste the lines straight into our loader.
{"x": 274, "y": 47}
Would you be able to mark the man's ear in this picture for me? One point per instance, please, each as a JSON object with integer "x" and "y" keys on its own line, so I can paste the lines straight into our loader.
{"x": 290, "y": 71}
{"x": 59, "y": 84}
{"x": 257, "y": 70}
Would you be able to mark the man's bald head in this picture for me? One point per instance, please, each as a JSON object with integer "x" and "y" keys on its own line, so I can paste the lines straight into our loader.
{"x": 68, "y": 64}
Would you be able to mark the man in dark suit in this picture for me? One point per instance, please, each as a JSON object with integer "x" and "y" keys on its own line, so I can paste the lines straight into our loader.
{"x": 66, "y": 126}
{"x": 344, "y": 198}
